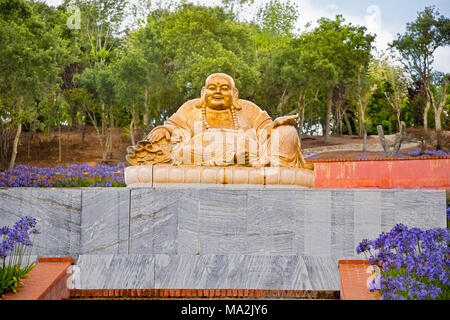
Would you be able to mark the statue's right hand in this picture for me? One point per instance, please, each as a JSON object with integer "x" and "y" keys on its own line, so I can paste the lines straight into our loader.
{"x": 157, "y": 134}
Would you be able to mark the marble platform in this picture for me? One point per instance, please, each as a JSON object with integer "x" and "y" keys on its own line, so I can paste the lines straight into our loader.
{"x": 214, "y": 237}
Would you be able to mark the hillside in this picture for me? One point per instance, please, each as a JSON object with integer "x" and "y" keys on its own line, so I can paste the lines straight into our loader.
{"x": 42, "y": 150}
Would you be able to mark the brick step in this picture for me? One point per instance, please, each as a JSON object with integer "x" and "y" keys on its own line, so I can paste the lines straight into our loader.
{"x": 226, "y": 294}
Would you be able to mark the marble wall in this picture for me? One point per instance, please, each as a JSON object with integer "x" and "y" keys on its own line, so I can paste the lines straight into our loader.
{"x": 214, "y": 237}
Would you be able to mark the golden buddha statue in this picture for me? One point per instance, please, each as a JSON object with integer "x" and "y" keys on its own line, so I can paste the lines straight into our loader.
{"x": 219, "y": 129}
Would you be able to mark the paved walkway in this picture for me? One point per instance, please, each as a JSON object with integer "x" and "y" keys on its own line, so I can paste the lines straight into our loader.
{"x": 371, "y": 147}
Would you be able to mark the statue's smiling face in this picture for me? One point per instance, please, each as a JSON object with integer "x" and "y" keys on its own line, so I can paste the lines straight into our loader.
{"x": 218, "y": 93}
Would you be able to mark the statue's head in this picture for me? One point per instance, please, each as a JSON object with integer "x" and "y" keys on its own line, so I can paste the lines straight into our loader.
{"x": 219, "y": 92}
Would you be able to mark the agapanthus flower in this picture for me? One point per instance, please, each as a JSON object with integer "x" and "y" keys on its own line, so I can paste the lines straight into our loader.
{"x": 73, "y": 176}
{"x": 410, "y": 259}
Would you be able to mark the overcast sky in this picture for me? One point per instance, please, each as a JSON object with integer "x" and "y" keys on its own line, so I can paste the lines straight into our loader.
{"x": 385, "y": 18}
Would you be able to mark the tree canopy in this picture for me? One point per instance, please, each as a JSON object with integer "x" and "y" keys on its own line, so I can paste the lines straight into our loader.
{"x": 84, "y": 63}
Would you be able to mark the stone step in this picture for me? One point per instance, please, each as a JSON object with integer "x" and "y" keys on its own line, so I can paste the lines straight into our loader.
{"x": 277, "y": 272}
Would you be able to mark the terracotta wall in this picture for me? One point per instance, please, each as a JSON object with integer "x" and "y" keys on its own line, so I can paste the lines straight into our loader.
{"x": 48, "y": 280}
{"x": 431, "y": 173}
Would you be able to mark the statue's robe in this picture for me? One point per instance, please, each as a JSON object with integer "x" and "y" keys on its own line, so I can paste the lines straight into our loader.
{"x": 255, "y": 143}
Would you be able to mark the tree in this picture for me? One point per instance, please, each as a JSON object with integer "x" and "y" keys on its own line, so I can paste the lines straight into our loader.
{"x": 439, "y": 99}
{"x": 99, "y": 82}
{"x": 200, "y": 40}
{"x": 100, "y": 28}
{"x": 348, "y": 48}
{"x": 131, "y": 82}
{"x": 360, "y": 50}
{"x": 101, "y": 22}
{"x": 417, "y": 45}
{"x": 53, "y": 111}
{"x": 296, "y": 71}
{"x": 32, "y": 54}
{"x": 276, "y": 21}
{"x": 394, "y": 83}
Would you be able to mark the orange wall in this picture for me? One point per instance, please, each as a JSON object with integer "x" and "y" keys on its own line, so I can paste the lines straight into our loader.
{"x": 385, "y": 174}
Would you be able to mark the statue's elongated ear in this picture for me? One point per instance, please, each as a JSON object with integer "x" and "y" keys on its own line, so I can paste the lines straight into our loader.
{"x": 236, "y": 99}
{"x": 202, "y": 99}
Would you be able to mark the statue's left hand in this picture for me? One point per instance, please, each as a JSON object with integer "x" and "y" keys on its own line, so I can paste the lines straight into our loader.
{"x": 285, "y": 121}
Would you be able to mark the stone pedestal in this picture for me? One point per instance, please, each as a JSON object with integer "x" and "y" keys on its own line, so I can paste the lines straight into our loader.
{"x": 214, "y": 237}
{"x": 204, "y": 176}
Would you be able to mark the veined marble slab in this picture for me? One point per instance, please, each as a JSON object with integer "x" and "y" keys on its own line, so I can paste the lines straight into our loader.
{"x": 207, "y": 272}
{"x": 273, "y": 222}
{"x": 214, "y": 237}
{"x": 58, "y": 215}
{"x": 221, "y": 221}
{"x": 105, "y": 221}
{"x": 115, "y": 271}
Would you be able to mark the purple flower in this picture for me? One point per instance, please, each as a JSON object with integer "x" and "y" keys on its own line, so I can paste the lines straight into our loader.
{"x": 410, "y": 259}
{"x": 363, "y": 246}
{"x": 73, "y": 176}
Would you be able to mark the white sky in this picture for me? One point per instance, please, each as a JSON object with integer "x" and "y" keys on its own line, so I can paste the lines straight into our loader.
{"x": 385, "y": 18}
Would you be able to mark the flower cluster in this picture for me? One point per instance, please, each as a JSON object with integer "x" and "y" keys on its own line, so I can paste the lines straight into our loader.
{"x": 414, "y": 263}
{"x": 73, "y": 176}
{"x": 448, "y": 211}
{"x": 427, "y": 153}
{"x": 364, "y": 156}
{"x": 14, "y": 246}
{"x": 17, "y": 236}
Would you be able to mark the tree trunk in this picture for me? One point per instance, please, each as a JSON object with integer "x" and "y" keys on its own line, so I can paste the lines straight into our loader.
{"x": 362, "y": 117}
{"x": 59, "y": 143}
{"x": 69, "y": 143}
{"x": 310, "y": 120}
{"x": 328, "y": 117}
{"x": 391, "y": 151}
{"x": 348, "y": 124}
{"x": 339, "y": 115}
{"x": 437, "y": 120}
{"x": 83, "y": 133}
{"x": 103, "y": 119}
{"x": 364, "y": 148}
{"x": 111, "y": 131}
{"x": 301, "y": 121}
{"x": 132, "y": 128}
{"x": 14, "y": 148}
{"x": 438, "y": 110}
{"x": 301, "y": 113}
{"x": 29, "y": 140}
{"x": 425, "y": 114}
{"x": 146, "y": 111}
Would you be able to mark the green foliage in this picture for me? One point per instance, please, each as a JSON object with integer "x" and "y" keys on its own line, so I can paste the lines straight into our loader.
{"x": 10, "y": 277}
{"x": 201, "y": 40}
{"x": 116, "y": 76}
{"x": 423, "y": 36}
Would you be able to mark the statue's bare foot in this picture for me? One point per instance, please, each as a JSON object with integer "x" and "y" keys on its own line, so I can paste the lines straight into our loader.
{"x": 309, "y": 166}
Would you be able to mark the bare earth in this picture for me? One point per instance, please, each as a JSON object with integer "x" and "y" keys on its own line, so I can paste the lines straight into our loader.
{"x": 42, "y": 151}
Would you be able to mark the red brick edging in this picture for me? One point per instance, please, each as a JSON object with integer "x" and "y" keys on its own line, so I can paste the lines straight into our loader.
{"x": 354, "y": 277}
{"x": 167, "y": 294}
{"x": 46, "y": 281}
